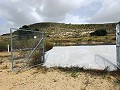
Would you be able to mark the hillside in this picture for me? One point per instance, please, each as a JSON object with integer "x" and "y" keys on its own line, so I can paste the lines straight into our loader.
{"x": 75, "y": 34}
{"x": 61, "y": 34}
{"x": 48, "y": 25}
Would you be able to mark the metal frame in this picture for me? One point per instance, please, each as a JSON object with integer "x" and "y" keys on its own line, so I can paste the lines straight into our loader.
{"x": 41, "y": 41}
{"x": 11, "y": 50}
{"x": 118, "y": 44}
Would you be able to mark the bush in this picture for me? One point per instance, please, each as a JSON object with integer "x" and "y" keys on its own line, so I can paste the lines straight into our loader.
{"x": 3, "y": 46}
{"x": 36, "y": 57}
{"x": 25, "y": 27}
{"x": 48, "y": 46}
{"x": 36, "y": 29}
{"x": 99, "y": 32}
{"x": 22, "y": 34}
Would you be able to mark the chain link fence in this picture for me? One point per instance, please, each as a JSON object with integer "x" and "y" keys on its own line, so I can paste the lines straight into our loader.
{"x": 5, "y": 61}
{"x": 27, "y": 48}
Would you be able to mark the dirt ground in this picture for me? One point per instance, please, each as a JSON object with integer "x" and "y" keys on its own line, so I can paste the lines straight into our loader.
{"x": 40, "y": 78}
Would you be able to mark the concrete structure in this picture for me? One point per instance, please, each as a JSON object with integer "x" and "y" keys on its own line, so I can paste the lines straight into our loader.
{"x": 90, "y": 57}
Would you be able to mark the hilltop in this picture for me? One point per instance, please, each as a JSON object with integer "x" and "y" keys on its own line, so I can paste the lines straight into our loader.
{"x": 45, "y": 25}
{"x": 72, "y": 27}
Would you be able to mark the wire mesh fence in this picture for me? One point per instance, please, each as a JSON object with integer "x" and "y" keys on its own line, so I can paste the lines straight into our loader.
{"x": 105, "y": 63}
{"x": 27, "y": 48}
{"x": 5, "y": 61}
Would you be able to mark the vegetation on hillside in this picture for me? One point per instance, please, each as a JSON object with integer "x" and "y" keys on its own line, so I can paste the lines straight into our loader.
{"x": 67, "y": 34}
{"x": 77, "y": 34}
{"x": 3, "y": 46}
{"x": 99, "y": 32}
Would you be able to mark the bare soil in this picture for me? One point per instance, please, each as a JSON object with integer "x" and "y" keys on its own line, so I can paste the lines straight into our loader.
{"x": 40, "y": 78}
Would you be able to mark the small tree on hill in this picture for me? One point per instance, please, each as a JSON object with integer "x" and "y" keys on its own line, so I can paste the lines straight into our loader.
{"x": 23, "y": 34}
{"x": 99, "y": 32}
{"x": 25, "y": 27}
{"x": 36, "y": 29}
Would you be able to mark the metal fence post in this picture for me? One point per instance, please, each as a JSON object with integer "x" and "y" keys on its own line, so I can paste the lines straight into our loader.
{"x": 11, "y": 43}
{"x": 43, "y": 50}
{"x": 118, "y": 44}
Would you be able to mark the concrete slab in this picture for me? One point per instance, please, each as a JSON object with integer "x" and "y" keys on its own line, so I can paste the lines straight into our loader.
{"x": 89, "y": 57}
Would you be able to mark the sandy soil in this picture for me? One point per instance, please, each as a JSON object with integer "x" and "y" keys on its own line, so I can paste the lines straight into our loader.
{"x": 55, "y": 79}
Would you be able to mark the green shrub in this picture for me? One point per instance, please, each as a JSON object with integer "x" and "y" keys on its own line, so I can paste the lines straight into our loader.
{"x": 3, "y": 46}
{"x": 48, "y": 46}
{"x": 36, "y": 29}
{"x": 99, "y": 32}
{"x": 25, "y": 27}
{"x": 36, "y": 59}
{"x": 74, "y": 74}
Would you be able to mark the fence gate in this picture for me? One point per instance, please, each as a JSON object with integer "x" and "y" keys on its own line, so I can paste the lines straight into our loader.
{"x": 118, "y": 43}
{"x": 27, "y": 48}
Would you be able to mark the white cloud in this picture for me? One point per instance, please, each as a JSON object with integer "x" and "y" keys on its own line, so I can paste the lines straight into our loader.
{"x": 75, "y": 19}
{"x": 58, "y": 9}
{"x": 109, "y": 12}
{"x": 5, "y": 28}
{"x": 21, "y": 12}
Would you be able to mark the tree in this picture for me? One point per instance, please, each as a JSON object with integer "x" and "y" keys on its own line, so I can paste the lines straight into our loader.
{"x": 24, "y": 34}
{"x": 25, "y": 27}
{"x": 36, "y": 29}
{"x": 99, "y": 32}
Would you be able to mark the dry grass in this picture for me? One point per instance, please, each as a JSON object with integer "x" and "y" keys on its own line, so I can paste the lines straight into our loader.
{"x": 109, "y": 39}
{"x": 4, "y": 54}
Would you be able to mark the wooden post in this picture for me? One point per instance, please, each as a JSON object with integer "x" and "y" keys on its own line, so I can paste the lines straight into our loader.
{"x": 8, "y": 48}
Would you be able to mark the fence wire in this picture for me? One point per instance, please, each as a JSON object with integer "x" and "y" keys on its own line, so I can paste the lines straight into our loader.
{"x": 105, "y": 63}
{"x": 26, "y": 48}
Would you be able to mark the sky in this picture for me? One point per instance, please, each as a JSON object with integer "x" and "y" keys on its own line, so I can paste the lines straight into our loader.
{"x": 16, "y": 13}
